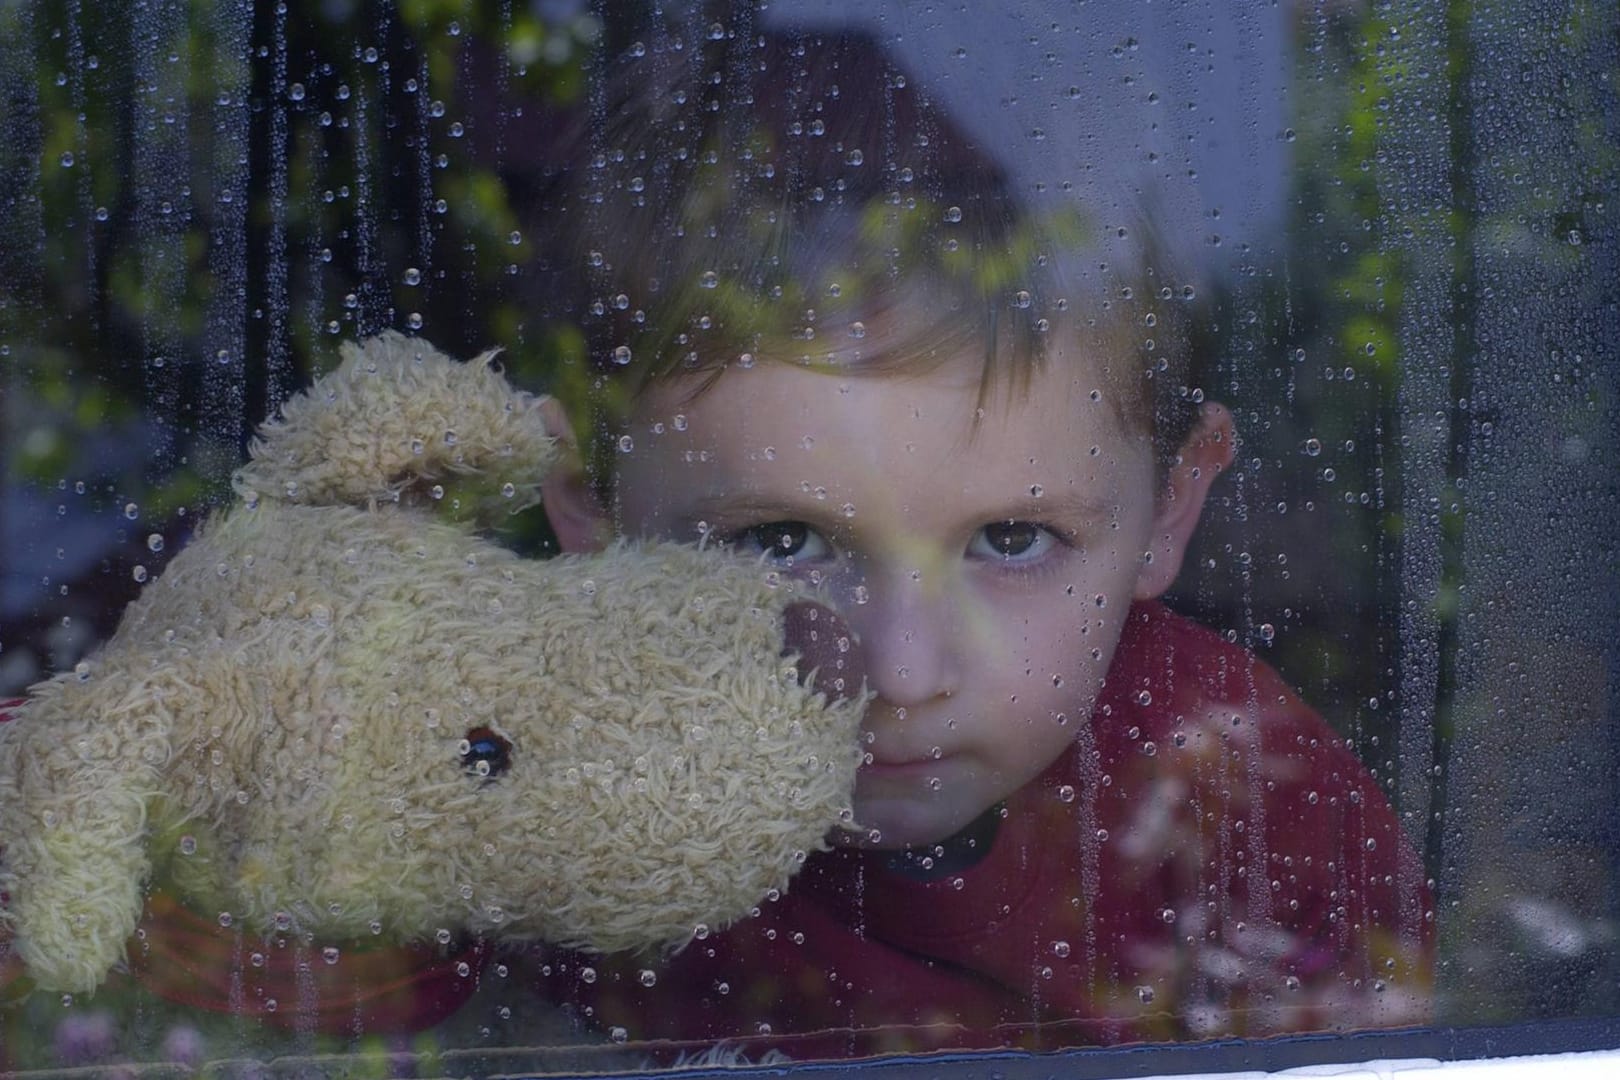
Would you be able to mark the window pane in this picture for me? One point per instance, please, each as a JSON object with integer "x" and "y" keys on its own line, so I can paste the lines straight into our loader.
{"x": 1138, "y": 492}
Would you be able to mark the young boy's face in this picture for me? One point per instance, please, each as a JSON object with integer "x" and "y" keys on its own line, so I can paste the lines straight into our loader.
{"x": 985, "y": 569}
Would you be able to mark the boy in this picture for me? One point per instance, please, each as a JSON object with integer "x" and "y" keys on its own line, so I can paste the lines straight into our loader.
{"x": 837, "y": 345}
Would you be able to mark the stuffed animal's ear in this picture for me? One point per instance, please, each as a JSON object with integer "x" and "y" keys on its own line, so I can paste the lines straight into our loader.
{"x": 829, "y": 660}
{"x": 396, "y": 419}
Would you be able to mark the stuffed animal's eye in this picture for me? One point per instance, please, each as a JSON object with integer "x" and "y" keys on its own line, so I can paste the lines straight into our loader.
{"x": 485, "y": 752}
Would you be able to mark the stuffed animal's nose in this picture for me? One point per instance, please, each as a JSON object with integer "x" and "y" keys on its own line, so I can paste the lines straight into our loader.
{"x": 826, "y": 648}
{"x": 486, "y": 752}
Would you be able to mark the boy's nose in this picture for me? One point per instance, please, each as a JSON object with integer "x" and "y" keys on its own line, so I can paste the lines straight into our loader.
{"x": 908, "y": 639}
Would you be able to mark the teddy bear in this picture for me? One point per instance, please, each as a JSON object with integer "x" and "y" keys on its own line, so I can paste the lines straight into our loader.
{"x": 341, "y": 718}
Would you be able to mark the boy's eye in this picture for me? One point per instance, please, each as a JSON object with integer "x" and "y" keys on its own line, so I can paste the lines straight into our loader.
{"x": 1011, "y": 541}
{"x": 783, "y": 540}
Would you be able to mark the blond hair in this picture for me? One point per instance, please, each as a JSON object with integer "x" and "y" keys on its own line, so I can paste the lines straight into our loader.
{"x": 810, "y": 206}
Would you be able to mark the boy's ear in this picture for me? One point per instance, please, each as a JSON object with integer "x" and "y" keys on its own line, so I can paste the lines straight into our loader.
{"x": 571, "y": 505}
{"x": 1204, "y": 456}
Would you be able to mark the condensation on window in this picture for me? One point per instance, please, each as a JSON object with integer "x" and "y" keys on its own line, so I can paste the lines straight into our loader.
{"x": 1189, "y": 431}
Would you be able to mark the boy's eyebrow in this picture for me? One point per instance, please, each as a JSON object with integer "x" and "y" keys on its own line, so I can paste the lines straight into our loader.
{"x": 750, "y": 502}
{"x": 1058, "y": 506}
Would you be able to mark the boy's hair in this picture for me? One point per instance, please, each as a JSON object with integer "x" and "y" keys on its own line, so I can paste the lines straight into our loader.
{"x": 797, "y": 200}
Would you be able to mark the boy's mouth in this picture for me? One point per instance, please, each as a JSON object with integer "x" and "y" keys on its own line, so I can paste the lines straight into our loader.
{"x": 903, "y": 768}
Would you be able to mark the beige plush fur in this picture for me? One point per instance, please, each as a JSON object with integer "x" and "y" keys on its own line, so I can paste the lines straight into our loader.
{"x": 277, "y": 729}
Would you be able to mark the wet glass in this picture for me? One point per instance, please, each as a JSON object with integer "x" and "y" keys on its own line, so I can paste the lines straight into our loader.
{"x": 1380, "y": 235}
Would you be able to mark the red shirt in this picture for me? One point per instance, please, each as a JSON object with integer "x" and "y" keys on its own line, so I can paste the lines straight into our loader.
{"x": 1207, "y": 858}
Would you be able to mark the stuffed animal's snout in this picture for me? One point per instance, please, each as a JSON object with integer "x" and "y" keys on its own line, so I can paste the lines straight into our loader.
{"x": 829, "y": 661}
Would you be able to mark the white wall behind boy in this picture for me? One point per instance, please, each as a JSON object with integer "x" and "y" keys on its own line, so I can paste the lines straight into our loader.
{"x": 1176, "y": 113}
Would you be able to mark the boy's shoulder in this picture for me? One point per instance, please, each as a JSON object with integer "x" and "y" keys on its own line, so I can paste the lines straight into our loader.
{"x": 1158, "y": 647}
{"x": 1184, "y": 693}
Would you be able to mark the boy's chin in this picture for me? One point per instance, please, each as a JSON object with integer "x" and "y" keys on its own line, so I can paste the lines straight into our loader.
{"x": 900, "y": 828}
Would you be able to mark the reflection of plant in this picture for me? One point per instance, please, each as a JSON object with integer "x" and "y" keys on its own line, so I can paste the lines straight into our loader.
{"x": 210, "y": 206}
{"x": 1301, "y": 554}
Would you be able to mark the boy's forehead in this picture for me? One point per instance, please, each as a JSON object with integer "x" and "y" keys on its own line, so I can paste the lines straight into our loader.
{"x": 780, "y": 415}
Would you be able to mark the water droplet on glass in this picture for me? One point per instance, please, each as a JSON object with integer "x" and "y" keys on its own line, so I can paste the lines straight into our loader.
{"x": 1144, "y": 994}
{"x": 188, "y": 845}
{"x": 626, "y": 444}
{"x": 1066, "y": 793}
{"x": 587, "y": 974}
{"x": 621, "y": 355}
{"x": 1021, "y": 299}
{"x": 413, "y": 276}
{"x": 138, "y": 573}
{"x": 414, "y": 320}
{"x": 330, "y": 954}
{"x": 953, "y": 214}
{"x": 647, "y": 977}
{"x": 67, "y": 159}
{"x": 154, "y": 543}
{"x": 855, "y": 157}
{"x": 1313, "y": 447}
{"x": 709, "y": 279}
{"x": 1267, "y": 631}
